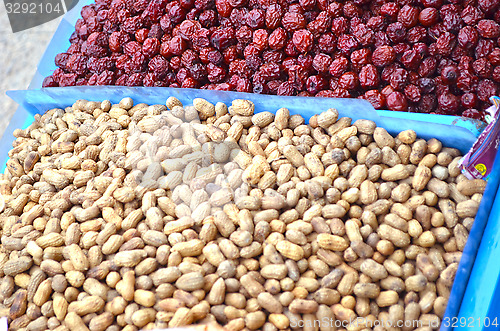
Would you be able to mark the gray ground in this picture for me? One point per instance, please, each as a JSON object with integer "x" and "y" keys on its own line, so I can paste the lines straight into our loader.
{"x": 19, "y": 57}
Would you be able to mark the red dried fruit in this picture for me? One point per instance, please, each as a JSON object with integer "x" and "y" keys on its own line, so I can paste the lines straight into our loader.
{"x": 321, "y": 63}
{"x": 61, "y": 60}
{"x": 396, "y": 32}
{"x": 360, "y": 57}
{"x": 277, "y": 39}
{"x": 270, "y": 71}
{"x": 449, "y": 74}
{"x": 177, "y": 14}
{"x": 260, "y": 39}
{"x": 347, "y": 43}
{"x": 188, "y": 28}
{"x": 496, "y": 74}
{"x": 303, "y": 40}
{"x": 338, "y": 66}
{"x": 256, "y": 19}
{"x": 208, "y": 18}
{"x": 316, "y": 83}
{"x": 427, "y": 103}
{"x": 482, "y": 68}
{"x": 297, "y": 76}
{"x": 398, "y": 79}
{"x": 467, "y": 37}
{"x": 348, "y": 81}
{"x": 159, "y": 66}
{"x": 472, "y": 113}
{"x": 286, "y": 89}
{"x": 471, "y": 15}
{"x": 484, "y": 48}
{"x": 132, "y": 24}
{"x": 389, "y": 10}
{"x": 397, "y": 101}
{"x": 223, "y": 7}
{"x": 488, "y": 6}
{"x": 306, "y": 62}
{"x": 244, "y": 34}
{"x": 141, "y": 35}
{"x": 383, "y": 55}
{"x": 151, "y": 9}
{"x": 486, "y": 89}
{"x": 68, "y": 80}
{"x": 293, "y": 21}
{"x": 326, "y": 43}
{"x": 445, "y": 43}
{"x": 151, "y": 47}
{"x": 428, "y": 16}
{"x": 49, "y": 81}
{"x": 369, "y": 77}
{"x": 378, "y": 45}
{"x": 339, "y": 26}
{"x": 189, "y": 58}
{"x": 363, "y": 34}
{"x": 177, "y": 45}
{"x": 223, "y": 38}
{"x": 77, "y": 64}
{"x": 376, "y": 23}
{"x": 494, "y": 57}
{"x": 376, "y": 98}
{"x": 99, "y": 65}
{"x": 274, "y": 14}
{"x": 469, "y": 100}
{"x": 488, "y": 29}
{"x": 412, "y": 93}
{"x": 408, "y": 16}
{"x": 189, "y": 83}
{"x": 351, "y": 10}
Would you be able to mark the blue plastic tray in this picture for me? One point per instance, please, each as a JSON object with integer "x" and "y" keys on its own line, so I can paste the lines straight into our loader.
{"x": 452, "y": 131}
{"x": 481, "y": 298}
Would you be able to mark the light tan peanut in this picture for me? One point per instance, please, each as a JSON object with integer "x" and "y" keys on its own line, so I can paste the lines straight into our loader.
{"x": 397, "y": 172}
{"x": 290, "y": 250}
{"x": 332, "y": 242}
{"x": 467, "y": 208}
{"x": 387, "y": 298}
{"x": 397, "y": 237}
{"x": 471, "y": 187}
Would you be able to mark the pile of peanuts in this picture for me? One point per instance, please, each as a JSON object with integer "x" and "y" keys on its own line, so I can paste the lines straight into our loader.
{"x": 128, "y": 217}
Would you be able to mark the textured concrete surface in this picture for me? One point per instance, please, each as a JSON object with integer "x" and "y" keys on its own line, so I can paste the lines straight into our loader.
{"x": 19, "y": 56}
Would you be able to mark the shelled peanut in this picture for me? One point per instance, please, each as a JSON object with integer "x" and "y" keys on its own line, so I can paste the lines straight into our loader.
{"x": 134, "y": 216}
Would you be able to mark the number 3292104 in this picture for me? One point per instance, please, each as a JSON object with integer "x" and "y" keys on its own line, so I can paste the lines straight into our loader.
{"x": 33, "y": 8}
{"x": 470, "y": 322}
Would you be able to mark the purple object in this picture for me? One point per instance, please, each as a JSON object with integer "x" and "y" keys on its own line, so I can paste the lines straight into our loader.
{"x": 478, "y": 162}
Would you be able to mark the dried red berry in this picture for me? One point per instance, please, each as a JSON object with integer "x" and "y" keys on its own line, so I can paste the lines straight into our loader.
{"x": 321, "y": 63}
{"x": 302, "y": 40}
{"x": 376, "y": 98}
{"x": 448, "y": 103}
{"x": 397, "y": 101}
{"x": 488, "y": 29}
{"x": 338, "y": 66}
{"x": 369, "y": 77}
{"x": 383, "y": 55}
{"x": 449, "y": 74}
{"x": 408, "y": 16}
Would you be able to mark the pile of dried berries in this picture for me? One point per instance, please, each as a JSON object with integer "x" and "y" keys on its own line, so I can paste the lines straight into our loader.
{"x": 407, "y": 55}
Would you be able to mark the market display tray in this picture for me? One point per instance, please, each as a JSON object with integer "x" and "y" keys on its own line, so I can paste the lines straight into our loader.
{"x": 475, "y": 294}
{"x": 451, "y": 131}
